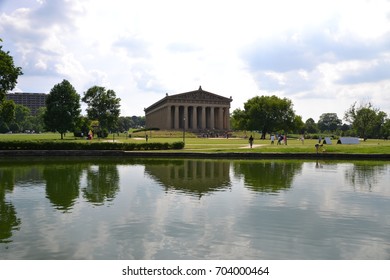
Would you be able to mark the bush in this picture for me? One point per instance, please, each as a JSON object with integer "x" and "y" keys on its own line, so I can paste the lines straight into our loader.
{"x": 103, "y": 133}
{"x": 73, "y": 145}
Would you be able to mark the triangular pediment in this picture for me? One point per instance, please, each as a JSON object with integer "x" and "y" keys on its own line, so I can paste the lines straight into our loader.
{"x": 200, "y": 95}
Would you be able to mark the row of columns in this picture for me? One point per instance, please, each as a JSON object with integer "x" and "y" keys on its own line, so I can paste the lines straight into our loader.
{"x": 198, "y": 117}
{"x": 193, "y": 169}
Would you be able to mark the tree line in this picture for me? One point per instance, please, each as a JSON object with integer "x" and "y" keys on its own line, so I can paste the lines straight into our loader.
{"x": 274, "y": 115}
{"x": 62, "y": 113}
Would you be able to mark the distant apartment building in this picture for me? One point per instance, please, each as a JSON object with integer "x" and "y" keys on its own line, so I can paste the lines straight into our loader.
{"x": 33, "y": 101}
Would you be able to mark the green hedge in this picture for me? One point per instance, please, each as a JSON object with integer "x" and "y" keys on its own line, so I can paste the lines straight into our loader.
{"x": 70, "y": 145}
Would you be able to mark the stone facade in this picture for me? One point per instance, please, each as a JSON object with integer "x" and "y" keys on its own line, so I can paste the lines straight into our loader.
{"x": 197, "y": 110}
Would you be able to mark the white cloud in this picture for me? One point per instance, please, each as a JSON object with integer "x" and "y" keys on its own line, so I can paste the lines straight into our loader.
{"x": 314, "y": 52}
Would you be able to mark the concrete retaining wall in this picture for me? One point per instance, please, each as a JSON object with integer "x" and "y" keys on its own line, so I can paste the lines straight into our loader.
{"x": 153, "y": 154}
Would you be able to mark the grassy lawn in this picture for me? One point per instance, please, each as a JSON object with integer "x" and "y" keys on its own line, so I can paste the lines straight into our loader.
{"x": 237, "y": 144}
{"x": 294, "y": 146}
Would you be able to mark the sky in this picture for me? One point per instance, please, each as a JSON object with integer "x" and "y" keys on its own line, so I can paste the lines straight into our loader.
{"x": 322, "y": 55}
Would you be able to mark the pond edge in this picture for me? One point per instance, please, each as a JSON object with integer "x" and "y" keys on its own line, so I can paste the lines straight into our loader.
{"x": 201, "y": 155}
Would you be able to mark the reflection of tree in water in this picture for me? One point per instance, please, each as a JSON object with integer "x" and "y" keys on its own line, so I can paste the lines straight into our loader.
{"x": 8, "y": 216}
{"x": 7, "y": 181}
{"x": 62, "y": 185}
{"x": 8, "y": 221}
{"x": 364, "y": 175}
{"x": 195, "y": 177}
{"x": 267, "y": 176}
{"x": 102, "y": 183}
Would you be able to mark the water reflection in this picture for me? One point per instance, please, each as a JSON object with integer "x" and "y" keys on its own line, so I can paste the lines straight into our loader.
{"x": 62, "y": 181}
{"x": 102, "y": 183}
{"x": 8, "y": 217}
{"x": 267, "y": 176}
{"x": 193, "y": 209}
{"x": 62, "y": 185}
{"x": 191, "y": 177}
{"x": 364, "y": 175}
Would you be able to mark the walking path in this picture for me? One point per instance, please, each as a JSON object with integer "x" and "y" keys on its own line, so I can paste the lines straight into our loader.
{"x": 253, "y": 146}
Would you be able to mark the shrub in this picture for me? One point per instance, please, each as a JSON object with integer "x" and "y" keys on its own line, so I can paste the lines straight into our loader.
{"x": 73, "y": 145}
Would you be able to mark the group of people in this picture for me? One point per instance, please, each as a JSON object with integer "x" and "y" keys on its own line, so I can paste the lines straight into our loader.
{"x": 282, "y": 138}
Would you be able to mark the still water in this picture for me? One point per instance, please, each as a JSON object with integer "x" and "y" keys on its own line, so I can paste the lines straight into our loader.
{"x": 194, "y": 209}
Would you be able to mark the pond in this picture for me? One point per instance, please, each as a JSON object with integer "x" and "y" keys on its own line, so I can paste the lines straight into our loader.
{"x": 156, "y": 209}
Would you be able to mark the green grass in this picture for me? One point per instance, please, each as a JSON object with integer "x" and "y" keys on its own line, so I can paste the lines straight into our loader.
{"x": 294, "y": 146}
{"x": 194, "y": 144}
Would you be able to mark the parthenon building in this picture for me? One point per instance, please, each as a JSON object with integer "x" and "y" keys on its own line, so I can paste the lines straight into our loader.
{"x": 197, "y": 110}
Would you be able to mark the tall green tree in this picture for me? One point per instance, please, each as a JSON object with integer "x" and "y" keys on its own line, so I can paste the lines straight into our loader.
{"x": 329, "y": 122}
{"x": 9, "y": 73}
{"x": 138, "y": 121}
{"x": 22, "y": 115}
{"x": 7, "y": 115}
{"x": 267, "y": 114}
{"x": 103, "y": 106}
{"x": 125, "y": 123}
{"x": 298, "y": 124}
{"x": 62, "y": 108}
{"x": 239, "y": 120}
{"x": 311, "y": 126}
{"x": 7, "y": 111}
{"x": 366, "y": 120}
{"x": 37, "y": 123}
{"x": 386, "y": 129}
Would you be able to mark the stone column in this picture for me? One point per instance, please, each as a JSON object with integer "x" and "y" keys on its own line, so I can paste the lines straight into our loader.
{"x": 199, "y": 117}
{"x": 185, "y": 117}
{"x": 203, "y": 117}
{"x": 220, "y": 118}
{"x": 227, "y": 118}
{"x": 176, "y": 117}
{"x": 169, "y": 117}
{"x": 212, "y": 120}
{"x": 194, "y": 118}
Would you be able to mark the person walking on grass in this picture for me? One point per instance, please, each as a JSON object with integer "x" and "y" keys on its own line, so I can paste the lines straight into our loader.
{"x": 280, "y": 139}
{"x": 251, "y": 141}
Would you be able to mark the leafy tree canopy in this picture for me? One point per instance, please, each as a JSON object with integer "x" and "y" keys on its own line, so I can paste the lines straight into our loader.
{"x": 366, "y": 120}
{"x": 62, "y": 108}
{"x": 104, "y": 106}
{"x": 311, "y": 126}
{"x": 239, "y": 120}
{"x": 8, "y": 73}
{"x": 267, "y": 114}
{"x": 329, "y": 122}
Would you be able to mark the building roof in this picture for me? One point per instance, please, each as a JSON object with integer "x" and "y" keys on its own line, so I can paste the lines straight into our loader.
{"x": 198, "y": 95}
